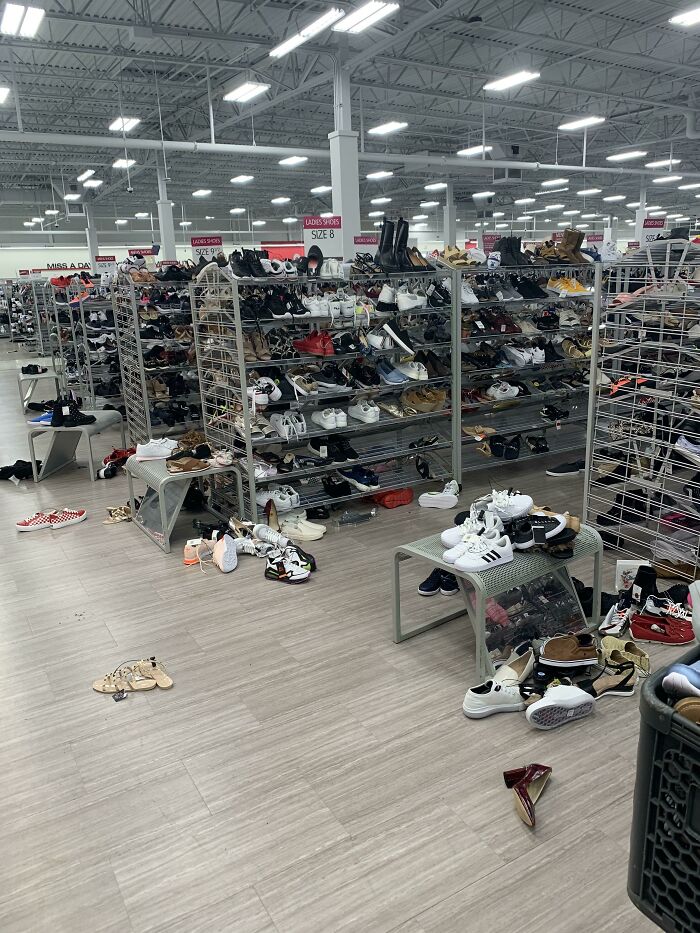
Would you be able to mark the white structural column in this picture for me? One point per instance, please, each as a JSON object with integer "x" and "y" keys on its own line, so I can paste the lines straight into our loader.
{"x": 91, "y": 236}
{"x": 345, "y": 175}
{"x": 640, "y": 214}
{"x": 449, "y": 221}
{"x": 165, "y": 217}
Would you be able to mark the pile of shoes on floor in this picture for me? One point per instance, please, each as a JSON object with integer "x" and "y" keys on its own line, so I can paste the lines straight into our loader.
{"x": 495, "y": 526}
{"x": 134, "y": 677}
{"x": 221, "y": 545}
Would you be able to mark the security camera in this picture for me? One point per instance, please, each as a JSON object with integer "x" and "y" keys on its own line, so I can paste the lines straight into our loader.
{"x": 129, "y": 190}
{"x": 515, "y": 150}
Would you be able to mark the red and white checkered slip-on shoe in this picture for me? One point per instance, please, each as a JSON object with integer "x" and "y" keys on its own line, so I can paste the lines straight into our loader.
{"x": 64, "y": 517}
{"x": 35, "y": 522}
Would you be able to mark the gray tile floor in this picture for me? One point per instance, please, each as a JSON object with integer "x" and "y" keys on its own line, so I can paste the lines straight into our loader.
{"x": 305, "y": 774}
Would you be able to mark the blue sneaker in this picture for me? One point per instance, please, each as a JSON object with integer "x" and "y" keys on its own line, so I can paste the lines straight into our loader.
{"x": 389, "y": 375}
{"x": 45, "y": 418}
{"x": 360, "y": 478}
{"x": 439, "y": 581}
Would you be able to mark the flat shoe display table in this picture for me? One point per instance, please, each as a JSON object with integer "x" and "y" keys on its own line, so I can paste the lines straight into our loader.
{"x": 164, "y": 496}
{"x": 31, "y": 382}
{"x": 524, "y": 568}
{"x": 64, "y": 443}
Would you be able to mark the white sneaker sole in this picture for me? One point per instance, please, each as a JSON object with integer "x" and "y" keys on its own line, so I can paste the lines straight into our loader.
{"x": 437, "y": 502}
{"x": 69, "y": 521}
{"x": 552, "y": 715}
{"x": 482, "y": 565}
{"x": 33, "y": 527}
{"x": 688, "y": 454}
{"x": 481, "y": 712}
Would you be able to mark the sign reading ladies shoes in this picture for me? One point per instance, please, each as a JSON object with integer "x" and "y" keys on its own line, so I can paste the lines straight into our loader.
{"x": 207, "y": 246}
{"x": 324, "y": 232}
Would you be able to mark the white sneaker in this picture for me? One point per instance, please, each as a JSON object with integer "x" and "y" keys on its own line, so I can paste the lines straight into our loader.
{"x": 269, "y": 536}
{"x": 468, "y": 296}
{"x": 502, "y": 390}
{"x": 506, "y": 504}
{"x": 688, "y": 449}
{"x": 288, "y": 424}
{"x": 569, "y": 319}
{"x": 412, "y": 369}
{"x": 407, "y": 301}
{"x": 475, "y": 522}
{"x": 521, "y": 356}
{"x": 537, "y": 356}
{"x": 325, "y": 418}
{"x": 482, "y": 553}
{"x": 282, "y": 500}
{"x": 387, "y": 296}
{"x": 300, "y": 530}
{"x": 155, "y": 449}
{"x": 560, "y": 704}
{"x": 261, "y": 470}
{"x": 378, "y": 339}
{"x": 446, "y": 499}
{"x": 455, "y": 552}
{"x": 269, "y": 387}
{"x": 364, "y": 410}
{"x": 492, "y": 697}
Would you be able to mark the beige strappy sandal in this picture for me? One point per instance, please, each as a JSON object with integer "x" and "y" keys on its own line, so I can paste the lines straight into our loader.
{"x": 127, "y": 679}
{"x": 150, "y": 667}
{"x": 120, "y": 513}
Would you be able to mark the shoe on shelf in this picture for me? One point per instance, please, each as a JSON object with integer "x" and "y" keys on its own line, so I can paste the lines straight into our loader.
{"x": 472, "y": 523}
{"x": 361, "y": 478}
{"x": 451, "y": 555}
{"x": 482, "y": 553}
{"x": 561, "y": 704}
{"x": 527, "y": 785}
{"x": 326, "y": 418}
{"x": 447, "y": 498}
{"x": 364, "y": 410}
{"x": 158, "y": 449}
{"x": 507, "y": 504}
{"x": 400, "y": 337}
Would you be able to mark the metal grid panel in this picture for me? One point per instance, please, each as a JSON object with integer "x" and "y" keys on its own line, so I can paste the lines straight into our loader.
{"x": 135, "y": 395}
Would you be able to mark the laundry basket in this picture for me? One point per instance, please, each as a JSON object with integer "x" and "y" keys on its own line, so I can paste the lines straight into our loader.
{"x": 664, "y": 865}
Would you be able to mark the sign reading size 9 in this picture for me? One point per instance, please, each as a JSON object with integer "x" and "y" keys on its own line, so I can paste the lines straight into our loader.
{"x": 323, "y": 232}
{"x": 206, "y": 246}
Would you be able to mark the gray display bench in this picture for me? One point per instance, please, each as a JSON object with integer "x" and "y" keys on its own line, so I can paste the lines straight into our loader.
{"x": 31, "y": 382}
{"x": 525, "y": 567}
{"x": 165, "y": 493}
{"x": 64, "y": 443}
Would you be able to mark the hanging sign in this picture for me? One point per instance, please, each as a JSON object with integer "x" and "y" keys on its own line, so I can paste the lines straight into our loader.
{"x": 206, "y": 246}
{"x": 654, "y": 223}
{"x": 558, "y": 235}
{"x": 323, "y": 232}
{"x": 633, "y": 244}
{"x": 105, "y": 263}
{"x": 366, "y": 239}
{"x": 489, "y": 240}
{"x": 594, "y": 238}
{"x": 143, "y": 251}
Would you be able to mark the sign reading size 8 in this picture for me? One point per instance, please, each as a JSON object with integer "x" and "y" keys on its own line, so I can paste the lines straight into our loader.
{"x": 324, "y": 232}
{"x": 206, "y": 246}
{"x": 654, "y": 223}
{"x": 105, "y": 263}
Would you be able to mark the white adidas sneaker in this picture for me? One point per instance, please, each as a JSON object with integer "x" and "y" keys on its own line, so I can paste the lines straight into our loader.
{"x": 475, "y": 522}
{"x": 482, "y": 553}
{"x": 446, "y": 499}
{"x": 507, "y": 504}
{"x": 453, "y": 553}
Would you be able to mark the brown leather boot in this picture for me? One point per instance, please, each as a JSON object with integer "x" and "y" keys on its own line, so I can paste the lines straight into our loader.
{"x": 576, "y": 249}
{"x": 566, "y": 244}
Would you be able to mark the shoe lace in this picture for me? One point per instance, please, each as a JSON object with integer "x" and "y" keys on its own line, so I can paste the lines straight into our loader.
{"x": 677, "y": 611}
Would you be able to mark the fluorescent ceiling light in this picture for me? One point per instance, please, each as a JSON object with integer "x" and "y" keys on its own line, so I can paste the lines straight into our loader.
{"x": 364, "y": 17}
{"x": 584, "y": 191}
{"x": 474, "y": 150}
{"x": 695, "y": 184}
{"x": 51, "y": 213}
{"x": 88, "y": 173}
{"x": 657, "y": 213}
{"x": 689, "y": 18}
{"x": 142, "y": 215}
{"x": 588, "y": 216}
{"x": 120, "y": 222}
{"x": 321, "y": 189}
{"x": 71, "y": 196}
{"x": 21, "y": 20}
{"x": 581, "y": 123}
{"x": 502, "y": 226}
{"x": 92, "y": 183}
{"x": 378, "y": 223}
{"x": 624, "y": 156}
{"x": 376, "y": 176}
{"x": 419, "y": 226}
{"x": 525, "y": 217}
{"x": 498, "y": 214}
{"x": 280, "y": 200}
{"x": 582, "y": 226}
{"x": 376, "y": 213}
{"x": 4, "y": 94}
{"x": 123, "y": 163}
{"x": 653, "y": 207}
{"x": 666, "y": 179}
{"x": 292, "y": 220}
{"x": 37, "y": 220}
{"x": 293, "y": 160}
{"x": 570, "y": 213}
{"x": 435, "y": 186}
{"x": 420, "y": 217}
{"x": 380, "y": 200}
{"x": 673, "y": 216}
{"x": 185, "y": 223}
{"x": 525, "y": 201}
{"x": 391, "y": 127}
{"x": 124, "y": 124}
{"x": 551, "y": 182}
{"x": 553, "y": 207}
{"x": 684, "y": 218}
{"x": 540, "y": 210}
{"x": 662, "y": 163}
{"x": 429, "y": 204}
{"x": 326, "y": 214}
{"x": 201, "y": 193}
{"x": 28, "y": 223}
{"x": 519, "y": 77}
{"x": 483, "y": 194}
{"x": 245, "y": 92}
{"x": 259, "y": 223}
{"x": 565, "y": 223}
{"x": 614, "y": 197}
{"x": 237, "y": 210}
{"x": 241, "y": 179}
{"x": 209, "y": 217}
{"x": 313, "y": 29}
{"x": 633, "y": 204}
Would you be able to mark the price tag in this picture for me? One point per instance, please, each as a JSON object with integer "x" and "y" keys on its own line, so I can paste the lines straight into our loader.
{"x": 480, "y": 325}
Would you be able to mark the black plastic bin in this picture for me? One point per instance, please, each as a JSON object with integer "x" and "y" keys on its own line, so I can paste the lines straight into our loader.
{"x": 664, "y": 867}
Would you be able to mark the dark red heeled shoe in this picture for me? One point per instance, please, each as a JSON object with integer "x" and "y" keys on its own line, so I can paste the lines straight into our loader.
{"x": 527, "y": 785}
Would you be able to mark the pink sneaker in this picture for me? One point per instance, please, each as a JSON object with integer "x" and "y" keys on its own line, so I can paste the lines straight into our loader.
{"x": 36, "y": 521}
{"x": 67, "y": 517}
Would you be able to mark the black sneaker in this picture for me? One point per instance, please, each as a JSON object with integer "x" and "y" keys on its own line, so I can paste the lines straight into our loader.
{"x": 330, "y": 377}
{"x": 567, "y": 469}
{"x": 550, "y": 353}
{"x": 439, "y": 581}
{"x": 75, "y": 416}
{"x": 57, "y": 415}
{"x": 552, "y": 413}
{"x": 317, "y": 512}
{"x": 340, "y": 450}
{"x": 363, "y": 375}
{"x": 320, "y": 447}
{"x": 252, "y": 262}
{"x": 336, "y": 488}
{"x": 398, "y": 335}
{"x": 628, "y": 509}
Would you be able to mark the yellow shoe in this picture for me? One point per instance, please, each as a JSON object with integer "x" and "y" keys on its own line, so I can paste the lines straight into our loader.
{"x": 554, "y": 283}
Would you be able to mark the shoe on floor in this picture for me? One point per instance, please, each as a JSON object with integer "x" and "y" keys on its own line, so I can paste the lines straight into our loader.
{"x": 35, "y": 522}
{"x": 561, "y": 704}
{"x": 447, "y": 498}
{"x": 439, "y": 581}
{"x": 572, "y": 650}
{"x": 566, "y": 469}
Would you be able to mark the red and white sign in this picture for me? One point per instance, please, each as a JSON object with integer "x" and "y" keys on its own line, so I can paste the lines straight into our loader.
{"x": 489, "y": 239}
{"x": 558, "y": 235}
{"x": 206, "y": 246}
{"x": 633, "y": 244}
{"x": 324, "y": 233}
{"x": 654, "y": 223}
{"x": 594, "y": 238}
{"x": 366, "y": 239}
{"x": 105, "y": 263}
{"x": 143, "y": 251}
{"x": 164, "y": 263}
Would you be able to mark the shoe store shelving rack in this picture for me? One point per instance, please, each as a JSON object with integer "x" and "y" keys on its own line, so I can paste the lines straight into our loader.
{"x": 143, "y": 358}
{"x": 21, "y": 314}
{"x": 231, "y": 419}
{"x": 643, "y": 485}
{"x": 69, "y": 341}
{"x": 548, "y": 383}
{"x": 43, "y": 314}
